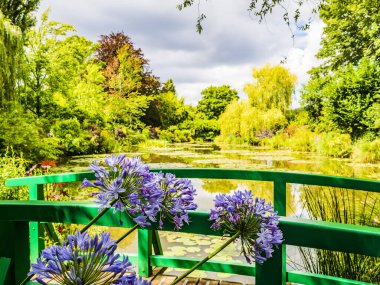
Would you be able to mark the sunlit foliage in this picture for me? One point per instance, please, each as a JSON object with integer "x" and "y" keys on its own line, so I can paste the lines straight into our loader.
{"x": 272, "y": 87}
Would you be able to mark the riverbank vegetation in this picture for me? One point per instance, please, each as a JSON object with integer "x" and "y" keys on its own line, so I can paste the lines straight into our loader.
{"x": 65, "y": 95}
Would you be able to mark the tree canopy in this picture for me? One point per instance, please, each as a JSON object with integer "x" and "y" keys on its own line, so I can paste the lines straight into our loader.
{"x": 215, "y": 100}
{"x": 126, "y": 68}
{"x": 10, "y": 48}
{"x": 19, "y": 12}
{"x": 352, "y": 32}
{"x": 273, "y": 87}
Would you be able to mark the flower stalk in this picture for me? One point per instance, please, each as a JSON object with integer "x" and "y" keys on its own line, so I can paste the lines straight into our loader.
{"x": 211, "y": 255}
{"x": 98, "y": 216}
{"x": 131, "y": 230}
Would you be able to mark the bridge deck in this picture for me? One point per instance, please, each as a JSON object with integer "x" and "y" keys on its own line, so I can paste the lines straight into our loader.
{"x": 159, "y": 278}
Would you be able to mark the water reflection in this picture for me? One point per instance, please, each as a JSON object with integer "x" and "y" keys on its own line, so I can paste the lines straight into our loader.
{"x": 209, "y": 155}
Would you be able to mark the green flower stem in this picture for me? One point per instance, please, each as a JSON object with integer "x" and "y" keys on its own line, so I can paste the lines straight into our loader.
{"x": 98, "y": 216}
{"x": 211, "y": 255}
{"x": 131, "y": 230}
{"x": 26, "y": 280}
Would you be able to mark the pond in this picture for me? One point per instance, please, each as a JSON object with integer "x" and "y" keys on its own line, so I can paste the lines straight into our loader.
{"x": 211, "y": 155}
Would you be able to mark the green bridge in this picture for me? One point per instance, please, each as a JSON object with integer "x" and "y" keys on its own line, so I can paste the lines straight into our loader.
{"x": 22, "y": 223}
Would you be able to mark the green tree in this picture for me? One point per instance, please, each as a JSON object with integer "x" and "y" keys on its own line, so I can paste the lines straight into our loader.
{"x": 169, "y": 86}
{"x": 10, "y": 49}
{"x": 351, "y": 98}
{"x": 20, "y": 12}
{"x": 126, "y": 68}
{"x": 342, "y": 92}
{"x": 215, "y": 100}
{"x": 273, "y": 87}
{"x": 56, "y": 70}
{"x": 352, "y": 32}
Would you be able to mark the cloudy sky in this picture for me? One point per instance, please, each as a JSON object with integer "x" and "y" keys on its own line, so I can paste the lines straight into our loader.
{"x": 232, "y": 43}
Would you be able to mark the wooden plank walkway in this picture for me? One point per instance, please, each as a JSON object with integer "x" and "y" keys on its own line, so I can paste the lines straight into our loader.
{"x": 166, "y": 279}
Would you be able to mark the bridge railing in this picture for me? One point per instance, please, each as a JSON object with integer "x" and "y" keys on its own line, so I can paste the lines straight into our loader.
{"x": 21, "y": 226}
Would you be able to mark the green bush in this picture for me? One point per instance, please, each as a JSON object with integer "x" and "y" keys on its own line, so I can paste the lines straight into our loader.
{"x": 72, "y": 139}
{"x": 334, "y": 144}
{"x": 204, "y": 129}
{"x": 26, "y": 137}
{"x": 275, "y": 142}
{"x": 367, "y": 151}
{"x": 175, "y": 135}
{"x": 12, "y": 166}
{"x": 302, "y": 139}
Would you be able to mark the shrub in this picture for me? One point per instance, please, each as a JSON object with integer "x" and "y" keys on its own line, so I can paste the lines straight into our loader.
{"x": 302, "y": 139}
{"x": 71, "y": 138}
{"x": 334, "y": 144}
{"x": 367, "y": 151}
{"x": 26, "y": 137}
{"x": 12, "y": 166}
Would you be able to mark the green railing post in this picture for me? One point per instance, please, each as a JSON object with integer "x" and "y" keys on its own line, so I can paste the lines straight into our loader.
{"x": 144, "y": 252}
{"x": 36, "y": 192}
{"x": 14, "y": 237}
{"x": 273, "y": 271}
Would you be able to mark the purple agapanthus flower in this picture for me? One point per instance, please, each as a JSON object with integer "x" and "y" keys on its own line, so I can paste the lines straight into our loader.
{"x": 254, "y": 218}
{"x": 131, "y": 187}
{"x": 178, "y": 200}
{"x": 82, "y": 260}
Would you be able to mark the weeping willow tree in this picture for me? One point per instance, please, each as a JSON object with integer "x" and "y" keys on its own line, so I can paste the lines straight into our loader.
{"x": 10, "y": 47}
{"x": 273, "y": 87}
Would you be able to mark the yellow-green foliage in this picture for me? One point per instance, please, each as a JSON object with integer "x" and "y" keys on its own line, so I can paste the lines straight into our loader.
{"x": 149, "y": 144}
{"x": 272, "y": 87}
{"x": 241, "y": 120}
{"x": 272, "y": 119}
{"x": 302, "y": 139}
{"x": 10, "y": 46}
{"x": 334, "y": 144}
{"x": 231, "y": 118}
{"x": 368, "y": 152}
{"x": 12, "y": 166}
{"x": 278, "y": 141}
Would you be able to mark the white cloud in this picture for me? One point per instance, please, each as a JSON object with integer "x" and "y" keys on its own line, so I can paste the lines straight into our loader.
{"x": 230, "y": 46}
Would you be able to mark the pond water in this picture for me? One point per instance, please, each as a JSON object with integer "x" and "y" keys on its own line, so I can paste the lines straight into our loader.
{"x": 210, "y": 155}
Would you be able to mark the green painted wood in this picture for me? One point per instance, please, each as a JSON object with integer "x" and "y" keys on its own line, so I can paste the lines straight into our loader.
{"x": 157, "y": 247}
{"x": 332, "y": 236}
{"x": 145, "y": 251}
{"x": 216, "y": 173}
{"x": 272, "y": 271}
{"x": 51, "y": 178}
{"x": 5, "y": 274}
{"x": 36, "y": 192}
{"x": 212, "y": 265}
{"x": 325, "y": 235}
{"x": 318, "y": 279}
{"x": 14, "y": 237}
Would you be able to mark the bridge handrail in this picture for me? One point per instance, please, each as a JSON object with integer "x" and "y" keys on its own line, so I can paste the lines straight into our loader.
{"x": 217, "y": 173}
{"x": 307, "y": 233}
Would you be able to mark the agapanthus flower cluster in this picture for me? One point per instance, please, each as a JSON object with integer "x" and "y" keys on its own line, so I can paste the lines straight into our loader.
{"x": 128, "y": 185}
{"x": 253, "y": 218}
{"x": 178, "y": 200}
{"x": 83, "y": 260}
